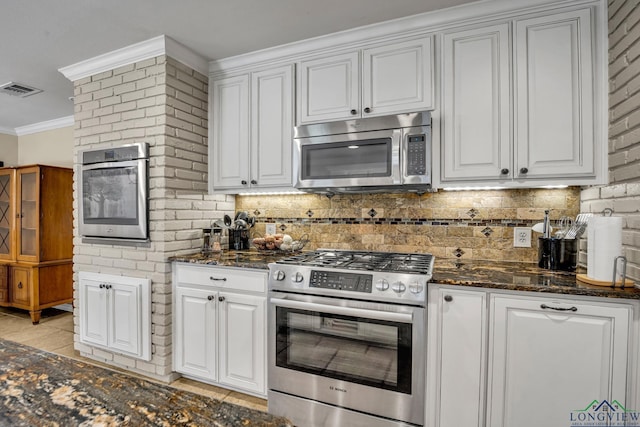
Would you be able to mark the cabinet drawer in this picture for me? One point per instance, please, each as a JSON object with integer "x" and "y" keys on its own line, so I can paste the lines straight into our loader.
{"x": 227, "y": 278}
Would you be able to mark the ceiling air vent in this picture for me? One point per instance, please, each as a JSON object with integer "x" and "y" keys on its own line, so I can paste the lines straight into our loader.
{"x": 18, "y": 89}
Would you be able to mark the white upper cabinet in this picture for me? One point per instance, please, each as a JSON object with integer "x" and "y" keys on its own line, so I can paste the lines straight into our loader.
{"x": 381, "y": 80}
{"x": 554, "y": 95}
{"x": 541, "y": 133}
{"x": 252, "y": 130}
{"x": 229, "y": 159}
{"x": 476, "y": 104}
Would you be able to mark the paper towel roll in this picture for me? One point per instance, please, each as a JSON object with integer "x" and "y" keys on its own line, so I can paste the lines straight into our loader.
{"x": 604, "y": 244}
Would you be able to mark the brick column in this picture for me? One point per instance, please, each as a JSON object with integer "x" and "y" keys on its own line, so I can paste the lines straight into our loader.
{"x": 164, "y": 103}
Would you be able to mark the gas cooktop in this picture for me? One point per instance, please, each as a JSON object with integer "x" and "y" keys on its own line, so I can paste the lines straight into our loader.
{"x": 392, "y": 262}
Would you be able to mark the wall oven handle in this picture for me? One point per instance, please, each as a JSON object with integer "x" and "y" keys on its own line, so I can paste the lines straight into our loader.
{"x": 345, "y": 311}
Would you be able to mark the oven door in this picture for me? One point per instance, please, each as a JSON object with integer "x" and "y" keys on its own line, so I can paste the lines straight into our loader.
{"x": 348, "y": 160}
{"x": 364, "y": 356}
{"x": 114, "y": 200}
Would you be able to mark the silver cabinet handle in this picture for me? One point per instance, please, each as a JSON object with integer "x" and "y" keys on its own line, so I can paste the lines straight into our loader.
{"x": 345, "y": 311}
{"x": 218, "y": 279}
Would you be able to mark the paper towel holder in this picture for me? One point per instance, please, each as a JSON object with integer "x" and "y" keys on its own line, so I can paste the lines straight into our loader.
{"x": 615, "y": 270}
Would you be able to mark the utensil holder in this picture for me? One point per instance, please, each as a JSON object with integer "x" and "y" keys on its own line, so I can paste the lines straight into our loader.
{"x": 239, "y": 240}
{"x": 557, "y": 254}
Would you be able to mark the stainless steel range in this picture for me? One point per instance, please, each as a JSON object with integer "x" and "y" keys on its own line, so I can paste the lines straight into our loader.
{"x": 347, "y": 338}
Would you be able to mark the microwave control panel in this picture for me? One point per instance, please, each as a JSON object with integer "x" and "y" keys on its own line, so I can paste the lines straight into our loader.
{"x": 416, "y": 154}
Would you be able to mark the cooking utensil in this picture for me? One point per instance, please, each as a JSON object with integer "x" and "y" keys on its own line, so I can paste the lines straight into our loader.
{"x": 565, "y": 224}
{"x": 251, "y": 221}
{"x": 579, "y": 226}
{"x": 227, "y": 220}
{"x": 546, "y": 229}
{"x": 539, "y": 227}
{"x": 240, "y": 224}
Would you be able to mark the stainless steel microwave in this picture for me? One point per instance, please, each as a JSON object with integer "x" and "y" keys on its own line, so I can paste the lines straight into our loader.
{"x": 380, "y": 154}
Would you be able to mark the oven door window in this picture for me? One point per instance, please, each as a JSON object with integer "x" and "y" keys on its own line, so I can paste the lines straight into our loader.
{"x": 370, "y": 352}
{"x": 110, "y": 196}
{"x": 349, "y": 159}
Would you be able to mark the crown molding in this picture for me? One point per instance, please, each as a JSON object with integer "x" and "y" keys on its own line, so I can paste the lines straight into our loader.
{"x": 414, "y": 25}
{"x": 161, "y": 45}
{"x": 8, "y": 131}
{"x": 62, "y": 122}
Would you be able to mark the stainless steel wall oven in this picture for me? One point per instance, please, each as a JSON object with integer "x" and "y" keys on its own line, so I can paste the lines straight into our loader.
{"x": 113, "y": 186}
{"x": 347, "y": 338}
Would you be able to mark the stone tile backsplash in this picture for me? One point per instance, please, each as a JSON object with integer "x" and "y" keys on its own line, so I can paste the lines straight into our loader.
{"x": 463, "y": 224}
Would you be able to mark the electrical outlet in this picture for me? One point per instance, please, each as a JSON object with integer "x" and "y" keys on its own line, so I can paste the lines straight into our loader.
{"x": 521, "y": 237}
{"x": 271, "y": 228}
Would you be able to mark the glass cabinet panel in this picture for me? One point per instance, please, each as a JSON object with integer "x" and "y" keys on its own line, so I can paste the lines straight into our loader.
{"x": 27, "y": 184}
{"x": 6, "y": 213}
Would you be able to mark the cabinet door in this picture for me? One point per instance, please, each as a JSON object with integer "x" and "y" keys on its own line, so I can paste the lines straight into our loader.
{"x": 457, "y": 348}
{"x": 125, "y": 317}
{"x": 329, "y": 88}
{"x": 552, "y": 357}
{"x": 4, "y": 283}
{"x": 194, "y": 350}
{"x": 397, "y": 78}
{"x": 93, "y": 312}
{"x": 7, "y": 214}
{"x": 229, "y": 158}
{"x": 476, "y": 104}
{"x": 271, "y": 127}
{"x": 28, "y": 190}
{"x": 242, "y": 341}
{"x": 20, "y": 294}
{"x": 554, "y": 95}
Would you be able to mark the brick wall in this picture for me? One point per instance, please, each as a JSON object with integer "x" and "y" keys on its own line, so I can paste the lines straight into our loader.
{"x": 623, "y": 192}
{"x": 164, "y": 103}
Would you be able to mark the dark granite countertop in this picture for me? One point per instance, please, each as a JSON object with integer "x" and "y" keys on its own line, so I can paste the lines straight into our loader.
{"x": 521, "y": 276}
{"x": 518, "y": 276}
{"x": 240, "y": 259}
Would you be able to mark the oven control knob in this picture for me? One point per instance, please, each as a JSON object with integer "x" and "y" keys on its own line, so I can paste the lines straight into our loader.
{"x": 297, "y": 278}
{"x": 416, "y": 288}
{"x": 279, "y": 275}
{"x": 399, "y": 287}
{"x": 382, "y": 285}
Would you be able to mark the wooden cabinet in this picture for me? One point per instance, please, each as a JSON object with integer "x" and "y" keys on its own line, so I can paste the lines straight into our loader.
{"x": 36, "y": 236}
{"x": 386, "y": 79}
{"x": 457, "y": 356}
{"x": 115, "y": 313}
{"x": 4, "y": 284}
{"x": 252, "y": 130}
{"x": 550, "y": 357}
{"x": 543, "y": 132}
{"x": 220, "y": 326}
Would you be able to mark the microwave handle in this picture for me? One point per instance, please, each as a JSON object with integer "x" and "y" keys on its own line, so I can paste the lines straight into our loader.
{"x": 345, "y": 311}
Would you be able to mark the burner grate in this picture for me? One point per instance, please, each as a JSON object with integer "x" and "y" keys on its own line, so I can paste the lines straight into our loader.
{"x": 366, "y": 261}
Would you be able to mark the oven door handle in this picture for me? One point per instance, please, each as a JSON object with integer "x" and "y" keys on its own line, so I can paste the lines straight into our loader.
{"x": 346, "y": 311}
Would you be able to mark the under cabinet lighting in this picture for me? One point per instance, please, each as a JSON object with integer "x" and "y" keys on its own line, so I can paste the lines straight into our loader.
{"x": 546, "y": 187}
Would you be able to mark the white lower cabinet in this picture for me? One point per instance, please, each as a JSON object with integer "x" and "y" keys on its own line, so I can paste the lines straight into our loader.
{"x": 220, "y": 326}
{"x": 115, "y": 313}
{"x": 457, "y": 347}
{"x": 552, "y": 357}
{"x": 503, "y": 359}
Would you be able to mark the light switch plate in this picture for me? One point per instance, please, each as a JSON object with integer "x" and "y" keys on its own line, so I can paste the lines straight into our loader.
{"x": 271, "y": 228}
{"x": 522, "y": 237}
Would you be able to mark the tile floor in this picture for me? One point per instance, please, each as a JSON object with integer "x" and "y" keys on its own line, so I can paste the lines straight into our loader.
{"x": 55, "y": 334}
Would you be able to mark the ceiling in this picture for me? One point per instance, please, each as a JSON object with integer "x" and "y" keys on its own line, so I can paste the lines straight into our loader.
{"x": 37, "y": 37}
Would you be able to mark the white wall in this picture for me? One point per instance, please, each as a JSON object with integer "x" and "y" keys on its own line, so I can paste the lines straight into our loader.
{"x": 52, "y": 147}
{"x": 9, "y": 149}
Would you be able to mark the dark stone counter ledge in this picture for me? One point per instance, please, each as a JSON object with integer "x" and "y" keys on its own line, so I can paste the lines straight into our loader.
{"x": 519, "y": 276}
{"x": 239, "y": 259}
{"x": 516, "y": 276}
